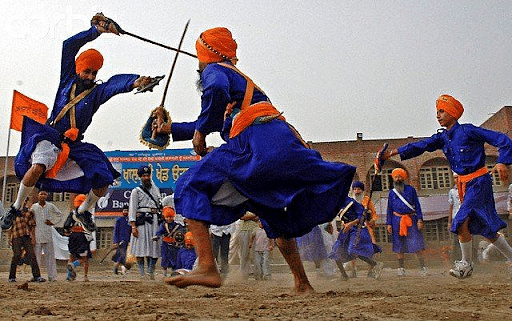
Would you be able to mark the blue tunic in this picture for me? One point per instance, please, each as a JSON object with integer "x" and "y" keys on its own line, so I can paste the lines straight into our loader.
{"x": 414, "y": 241}
{"x": 311, "y": 246}
{"x": 463, "y": 146}
{"x": 289, "y": 186}
{"x": 169, "y": 251}
{"x": 186, "y": 258}
{"x": 98, "y": 172}
{"x": 346, "y": 248}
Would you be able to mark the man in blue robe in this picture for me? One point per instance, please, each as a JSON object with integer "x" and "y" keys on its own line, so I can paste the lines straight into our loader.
{"x": 264, "y": 166}
{"x": 463, "y": 146}
{"x": 52, "y": 156}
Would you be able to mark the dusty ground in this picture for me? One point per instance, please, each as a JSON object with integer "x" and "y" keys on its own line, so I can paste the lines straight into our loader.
{"x": 485, "y": 296}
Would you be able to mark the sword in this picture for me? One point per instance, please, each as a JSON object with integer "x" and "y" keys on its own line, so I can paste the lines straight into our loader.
{"x": 178, "y": 50}
{"x": 110, "y": 251}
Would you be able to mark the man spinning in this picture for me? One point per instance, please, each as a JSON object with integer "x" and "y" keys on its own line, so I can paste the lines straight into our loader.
{"x": 264, "y": 166}
{"x": 53, "y": 156}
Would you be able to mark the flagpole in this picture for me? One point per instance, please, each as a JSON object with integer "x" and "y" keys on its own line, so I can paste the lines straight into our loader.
{"x": 5, "y": 165}
{"x": 7, "y": 155}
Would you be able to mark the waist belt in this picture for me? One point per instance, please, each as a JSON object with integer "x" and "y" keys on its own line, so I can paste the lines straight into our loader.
{"x": 405, "y": 223}
{"x": 464, "y": 179}
{"x": 147, "y": 210}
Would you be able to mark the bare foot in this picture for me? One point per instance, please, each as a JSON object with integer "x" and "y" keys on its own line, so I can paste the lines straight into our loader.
{"x": 209, "y": 279}
{"x": 303, "y": 289}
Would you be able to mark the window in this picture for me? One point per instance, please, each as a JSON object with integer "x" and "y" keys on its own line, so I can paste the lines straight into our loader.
{"x": 104, "y": 238}
{"x": 384, "y": 181}
{"x": 439, "y": 177}
{"x": 60, "y": 197}
{"x": 11, "y": 192}
{"x": 494, "y": 176}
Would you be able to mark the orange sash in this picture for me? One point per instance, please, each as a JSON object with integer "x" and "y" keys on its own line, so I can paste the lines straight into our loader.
{"x": 405, "y": 223}
{"x": 247, "y": 116}
{"x": 464, "y": 179}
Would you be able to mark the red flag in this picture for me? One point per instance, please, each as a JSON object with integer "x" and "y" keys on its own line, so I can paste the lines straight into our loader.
{"x": 24, "y": 106}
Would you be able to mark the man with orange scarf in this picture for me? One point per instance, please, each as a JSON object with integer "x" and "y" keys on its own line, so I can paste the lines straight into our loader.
{"x": 263, "y": 166}
{"x": 405, "y": 221}
{"x": 52, "y": 156}
{"x": 463, "y": 146}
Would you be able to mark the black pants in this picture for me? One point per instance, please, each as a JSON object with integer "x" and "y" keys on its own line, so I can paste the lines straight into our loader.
{"x": 220, "y": 246}
{"x": 19, "y": 244}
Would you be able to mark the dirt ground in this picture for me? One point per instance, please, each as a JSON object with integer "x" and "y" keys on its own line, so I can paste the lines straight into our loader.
{"x": 487, "y": 295}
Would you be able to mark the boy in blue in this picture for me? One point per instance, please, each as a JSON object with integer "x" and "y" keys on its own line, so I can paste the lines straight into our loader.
{"x": 186, "y": 255}
{"x": 463, "y": 146}
{"x": 53, "y": 156}
{"x": 173, "y": 235}
{"x": 404, "y": 221}
{"x": 354, "y": 241}
{"x": 120, "y": 241}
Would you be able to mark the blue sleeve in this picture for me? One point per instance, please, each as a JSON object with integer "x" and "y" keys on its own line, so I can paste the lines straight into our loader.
{"x": 389, "y": 213}
{"x": 182, "y": 131}
{"x": 214, "y": 99}
{"x": 161, "y": 230}
{"x": 70, "y": 49}
{"x": 496, "y": 139}
{"x": 115, "y": 85}
{"x": 414, "y": 149}
{"x": 115, "y": 236}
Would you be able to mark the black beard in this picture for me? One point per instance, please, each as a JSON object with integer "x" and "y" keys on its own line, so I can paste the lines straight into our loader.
{"x": 83, "y": 84}
{"x": 399, "y": 186}
{"x": 199, "y": 82}
{"x": 147, "y": 184}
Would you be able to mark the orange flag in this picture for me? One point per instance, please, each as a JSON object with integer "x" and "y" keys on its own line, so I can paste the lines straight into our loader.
{"x": 24, "y": 106}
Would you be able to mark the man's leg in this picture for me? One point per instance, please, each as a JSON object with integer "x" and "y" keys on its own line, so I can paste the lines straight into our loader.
{"x": 16, "y": 256}
{"x": 224, "y": 254}
{"x": 245, "y": 263}
{"x": 51, "y": 265}
{"x": 31, "y": 257}
{"x": 288, "y": 249}
{"x": 83, "y": 212}
{"x": 206, "y": 272}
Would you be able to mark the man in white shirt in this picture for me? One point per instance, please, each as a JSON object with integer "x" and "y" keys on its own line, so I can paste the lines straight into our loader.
{"x": 45, "y": 214}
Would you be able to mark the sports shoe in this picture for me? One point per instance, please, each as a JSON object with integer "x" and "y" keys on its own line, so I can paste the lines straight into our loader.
{"x": 7, "y": 220}
{"x": 12, "y": 280}
{"x": 39, "y": 279}
{"x": 123, "y": 270}
{"x": 71, "y": 272}
{"x": 462, "y": 269}
{"x": 401, "y": 272}
{"x": 85, "y": 219}
{"x": 376, "y": 271}
{"x": 424, "y": 271}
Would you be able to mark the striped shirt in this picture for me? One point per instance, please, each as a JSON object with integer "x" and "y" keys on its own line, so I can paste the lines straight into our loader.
{"x": 23, "y": 225}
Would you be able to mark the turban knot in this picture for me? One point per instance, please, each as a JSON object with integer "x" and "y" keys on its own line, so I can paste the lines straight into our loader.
{"x": 399, "y": 172}
{"x": 450, "y": 105}
{"x": 214, "y": 45}
{"x": 79, "y": 199}
{"x": 90, "y": 58}
{"x": 144, "y": 169}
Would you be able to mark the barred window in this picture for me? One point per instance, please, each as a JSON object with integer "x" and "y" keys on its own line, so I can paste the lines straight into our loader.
{"x": 494, "y": 176}
{"x": 11, "y": 192}
{"x": 383, "y": 181}
{"x": 104, "y": 238}
{"x": 439, "y": 177}
{"x": 60, "y": 197}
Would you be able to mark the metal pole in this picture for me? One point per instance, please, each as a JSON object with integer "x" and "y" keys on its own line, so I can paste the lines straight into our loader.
{"x": 6, "y": 162}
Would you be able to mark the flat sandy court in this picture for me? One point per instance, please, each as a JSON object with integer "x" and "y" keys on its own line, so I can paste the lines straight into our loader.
{"x": 487, "y": 295}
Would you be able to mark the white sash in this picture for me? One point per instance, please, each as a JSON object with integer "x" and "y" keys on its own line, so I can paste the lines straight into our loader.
{"x": 403, "y": 199}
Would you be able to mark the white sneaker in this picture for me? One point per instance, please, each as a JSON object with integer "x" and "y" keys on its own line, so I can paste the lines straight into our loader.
{"x": 424, "y": 271}
{"x": 462, "y": 269}
{"x": 401, "y": 272}
{"x": 123, "y": 270}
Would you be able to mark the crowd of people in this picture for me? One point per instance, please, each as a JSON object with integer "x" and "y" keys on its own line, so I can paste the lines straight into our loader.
{"x": 263, "y": 187}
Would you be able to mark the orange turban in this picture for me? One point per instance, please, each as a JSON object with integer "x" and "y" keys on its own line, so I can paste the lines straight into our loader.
{"x": 214, "y": 45}
{"x": 450, "y": 105}
{"x": 79, "y": 199}
{"x": 189, "y": 238}
{"x": 168, "y": 212}
{"x": 90, "y": 58}
{"x": 399, "y": 172}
